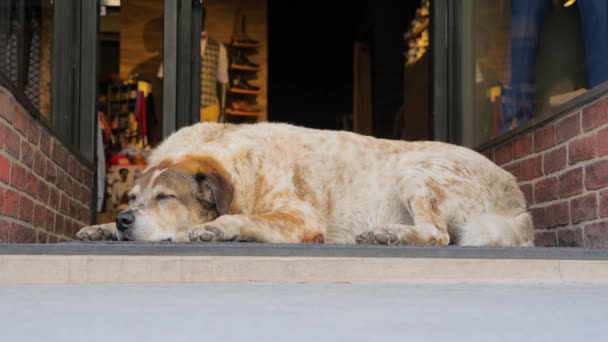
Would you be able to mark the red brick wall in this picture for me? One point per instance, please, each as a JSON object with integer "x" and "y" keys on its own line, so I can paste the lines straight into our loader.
{"x": 562, "y": 168}
{"x": 45, "y": 192}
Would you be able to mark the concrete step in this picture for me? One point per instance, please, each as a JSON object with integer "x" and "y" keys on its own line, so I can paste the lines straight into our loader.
{"x": 145, "y": 263}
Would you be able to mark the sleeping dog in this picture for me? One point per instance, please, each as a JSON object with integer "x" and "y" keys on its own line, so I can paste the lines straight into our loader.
{"x": 279, "y": 183}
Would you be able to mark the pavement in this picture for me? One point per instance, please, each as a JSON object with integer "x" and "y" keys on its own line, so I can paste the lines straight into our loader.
{"x": 303, "y": 312}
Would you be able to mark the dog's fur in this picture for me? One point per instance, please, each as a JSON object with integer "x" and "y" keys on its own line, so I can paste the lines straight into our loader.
{"x": 280, "y": 183}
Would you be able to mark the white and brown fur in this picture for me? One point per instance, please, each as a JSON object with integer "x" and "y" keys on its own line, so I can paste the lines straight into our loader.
{"x": 279, "y": 183}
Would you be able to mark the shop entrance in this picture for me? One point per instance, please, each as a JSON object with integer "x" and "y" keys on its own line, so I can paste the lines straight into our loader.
{"x": 166, "y": 64}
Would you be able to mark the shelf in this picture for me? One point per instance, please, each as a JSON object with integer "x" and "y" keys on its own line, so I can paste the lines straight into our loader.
{"x": 244, "y": 68}
{"x": 242, "y": 113}
{"x": 247, "y": 45}
{"x": 244, "y": 91}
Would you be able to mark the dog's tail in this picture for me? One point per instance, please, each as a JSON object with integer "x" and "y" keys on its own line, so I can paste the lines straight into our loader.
{"x": 497, "y": 230}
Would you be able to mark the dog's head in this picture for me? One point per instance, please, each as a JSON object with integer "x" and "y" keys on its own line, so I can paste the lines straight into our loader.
{"x": 171, "y": 197}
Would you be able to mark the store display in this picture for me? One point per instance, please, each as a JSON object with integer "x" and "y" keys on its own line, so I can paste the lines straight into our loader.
{"x": 242, "y": 93}
{"x": 244, "y": 106}
{"x": 241, "y": 83}
{"x": 241, "y": 61}
{"x": 417, "y": 37}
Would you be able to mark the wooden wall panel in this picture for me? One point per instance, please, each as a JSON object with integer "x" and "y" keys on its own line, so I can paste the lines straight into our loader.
{"x": 141, "y": 37}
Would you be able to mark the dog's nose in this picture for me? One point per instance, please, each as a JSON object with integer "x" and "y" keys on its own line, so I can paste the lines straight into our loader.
{"x": 125, "y": 220}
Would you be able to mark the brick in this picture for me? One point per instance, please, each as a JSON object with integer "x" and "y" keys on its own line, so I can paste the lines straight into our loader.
{"x": 70, "y": 227}
{"x": 73, "y": 168}
{"x": 522, "y": 146}
{"x": 531, "y": 168}
{"x": 26, "y": 209}
{"x": 64, "y": 206}
{"x": 4, "y": 228}
{"x": 2, "y": 128}
{"x": 503, "y": 154}
{"x": 43, "y": 237}
{"x": 555, "y": 160}
{"x": 544, "y": 138}
{"x": 595, "y": 115}
{"x": 5, "y": 169}
{"x": 21, "y": 120}
{"x": 528, "y": 193}
{"x": 570, "y": 237}
{"x": 45, "y": 142}
{"x": 7, "y": 109}
{"x": 10, "y": 203}
{"x": 54, "y": 198}
{"x": 27, "y": 154}
{"x": 596, "y": 234}
{"x": 39, "y": 216}
{"x": 51, "y": 172}
{"x": 32, "y": 184}
{"x": 72, "y": 212}
{"x": 18, "y": 174}
{"x": 68, "y": 186}
{"x": 61, "y": 181}
{"x": 85, "y": 195}
{"x": 583, "y": 208}
{"x": 604, "y": 203}
{"x": 568, "y": 128}
{"x": 59, "y": 154}
{"x": 513, "y": 168}
{"x": 49, "y": 220}
{"x": 538, "y": 217}
{"x": 557, "y": 215}
{"x": 39, "y": 164}
{"x": 33, "y": 133}
{"x": 12, "y": 141}
{"x": 52, "y": 239}
{"x": 581, "y": 149}
{"x": 601, "y": 142}
{"x": 21, "y": 234}
{"x": 596, "y": 175}
{"x": 43, "y": 192}
{"x": 76, "y": 191}
{"x": 87, "y": 178}
{"x": 86, "y": 216}
{"x": 59, "y": 225}
{"x": 545, "y": 190}
{"x": 571, "y": 183}
{"x": 545, "y": 239}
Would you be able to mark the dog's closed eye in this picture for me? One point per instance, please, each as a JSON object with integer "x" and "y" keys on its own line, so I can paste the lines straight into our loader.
{"x": 163, "y": 196}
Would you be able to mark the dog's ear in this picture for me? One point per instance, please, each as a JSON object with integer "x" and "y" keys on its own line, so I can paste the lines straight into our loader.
{"x": 222, "y": 191}
{"x": 215, "y": 186}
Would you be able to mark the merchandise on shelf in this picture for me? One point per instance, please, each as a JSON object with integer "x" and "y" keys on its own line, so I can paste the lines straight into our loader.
{"x": 417, "y": 37}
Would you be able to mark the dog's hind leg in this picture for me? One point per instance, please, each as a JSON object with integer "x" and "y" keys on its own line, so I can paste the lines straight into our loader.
{"x": 424, "y": 200}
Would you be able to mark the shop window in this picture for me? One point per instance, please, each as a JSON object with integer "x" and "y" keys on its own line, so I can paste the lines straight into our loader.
{"x": 26, "y": 29}
{"x": 521, "y": 58}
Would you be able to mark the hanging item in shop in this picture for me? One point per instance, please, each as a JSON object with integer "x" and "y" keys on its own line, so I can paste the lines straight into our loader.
{"x": 417, "y": 37}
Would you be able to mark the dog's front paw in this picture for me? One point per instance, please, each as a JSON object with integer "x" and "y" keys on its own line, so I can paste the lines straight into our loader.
{"x": 96, "y": 233}
{"x": 211, "y": 233}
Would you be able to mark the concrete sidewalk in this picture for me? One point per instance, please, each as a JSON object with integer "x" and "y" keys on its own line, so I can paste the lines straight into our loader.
{"x": 303, "y": 312}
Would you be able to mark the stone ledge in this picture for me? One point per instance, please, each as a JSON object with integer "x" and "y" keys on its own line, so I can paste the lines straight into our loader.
{"x": 150, "y": 269}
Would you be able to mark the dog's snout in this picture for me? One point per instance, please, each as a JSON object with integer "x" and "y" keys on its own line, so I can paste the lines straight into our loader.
{"x": 125, "y": 220}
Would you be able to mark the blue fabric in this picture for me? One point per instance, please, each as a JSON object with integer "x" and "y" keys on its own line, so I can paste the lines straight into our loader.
{"x": 594, "y": 22}
{"x": 527, "y": 18}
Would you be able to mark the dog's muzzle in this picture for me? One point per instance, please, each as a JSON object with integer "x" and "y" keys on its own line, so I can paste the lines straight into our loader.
{"x": 125, "y": 220}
